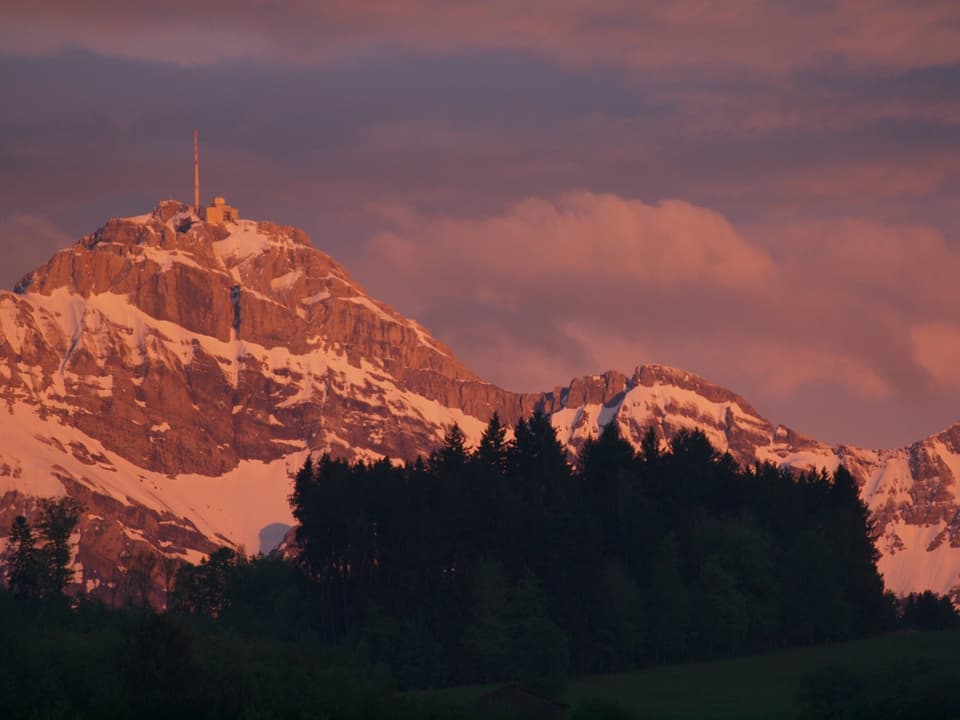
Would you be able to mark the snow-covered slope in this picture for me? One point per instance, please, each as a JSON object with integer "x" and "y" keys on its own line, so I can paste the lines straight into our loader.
{"x": 173, "y": 374}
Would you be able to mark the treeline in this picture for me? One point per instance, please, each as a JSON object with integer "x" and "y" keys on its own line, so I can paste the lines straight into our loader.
{"x": 505, "y": 563}
{"x": 498, "y": 563}
{"x": 79, "y": 660}
{"x": 39, "y": 561}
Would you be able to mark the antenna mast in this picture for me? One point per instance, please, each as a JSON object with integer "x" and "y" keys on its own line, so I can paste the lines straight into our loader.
{"x": 196, "y": 172}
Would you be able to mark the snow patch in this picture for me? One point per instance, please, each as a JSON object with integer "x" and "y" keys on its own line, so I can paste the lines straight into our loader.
{"x": 242, "y": 244}
{"x": 316, "y": 297}
{"x": 285, "y": 282}
{"x": 914, "y": 568}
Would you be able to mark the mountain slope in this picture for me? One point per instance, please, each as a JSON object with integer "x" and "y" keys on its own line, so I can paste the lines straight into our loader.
{"x": 172, "y": 374}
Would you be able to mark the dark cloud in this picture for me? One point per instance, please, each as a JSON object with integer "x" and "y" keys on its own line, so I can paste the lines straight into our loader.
{"x": 27, "y": 242}
{"x": 756, "y": 34}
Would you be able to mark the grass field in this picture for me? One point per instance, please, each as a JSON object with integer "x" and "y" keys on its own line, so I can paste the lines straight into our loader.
{"x": 759, "y": 686}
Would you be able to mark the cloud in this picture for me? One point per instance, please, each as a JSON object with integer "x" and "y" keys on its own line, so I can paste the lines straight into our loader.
{"x": 875, "y": 180}
{"x": 790, "y": 367}
{"x": 28, "y": 242}
{"x": 550, "y": 288}
{"x": 527, "y": 367}
{"x": 766, "y": 36}
{"x": 553, "y": 287}
{"x": 578, "y": 237}
{"x": 936, "y": 348}
{"x": 908, "y": 269}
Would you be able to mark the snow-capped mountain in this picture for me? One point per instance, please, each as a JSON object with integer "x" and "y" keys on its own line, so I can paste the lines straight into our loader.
{"x": 173, "y": 374}
{"x": 910, "y": 491}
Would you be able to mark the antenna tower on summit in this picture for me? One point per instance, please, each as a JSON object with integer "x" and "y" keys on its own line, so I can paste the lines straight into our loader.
{"x": 196, "y": 172}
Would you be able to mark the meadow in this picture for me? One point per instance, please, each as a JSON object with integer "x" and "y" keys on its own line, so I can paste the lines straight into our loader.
{"x": 767, "y": 685}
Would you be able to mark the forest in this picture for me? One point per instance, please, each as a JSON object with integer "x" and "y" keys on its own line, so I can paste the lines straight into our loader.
{"x": 500, "y": 563}
{"x": 507, "y": 562}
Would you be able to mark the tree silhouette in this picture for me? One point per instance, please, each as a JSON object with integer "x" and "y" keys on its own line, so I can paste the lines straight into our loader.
{"x": 492, "y": 452}
{"x": 456, "y": 567}
{"x": 24, "y": 568}
{"x": 58, "y": 520}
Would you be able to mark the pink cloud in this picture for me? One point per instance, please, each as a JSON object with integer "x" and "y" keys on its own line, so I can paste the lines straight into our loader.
{"x": 582, "y": 234}
{"x": 871, "y": 180}
{"x": 787, "y": 368}
{"x": 906, "y": 268}
{"x": 527, "y": 368}
{"x": 825, "y": 113}
{"x": 767, "y": 36}
{"x": 603, "y": 281}
{"x": 936, "y": 348}
{"x": 891, "y": 33}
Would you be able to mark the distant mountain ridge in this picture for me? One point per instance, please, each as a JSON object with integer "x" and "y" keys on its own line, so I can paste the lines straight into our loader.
{"x": 172, "y": 373}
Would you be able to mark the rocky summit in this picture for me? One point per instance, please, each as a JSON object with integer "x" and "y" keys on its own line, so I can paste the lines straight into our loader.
{"x": 172, "y": 375}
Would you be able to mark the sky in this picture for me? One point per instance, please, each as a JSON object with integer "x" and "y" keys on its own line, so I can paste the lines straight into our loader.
{"x": 763, "y": 193}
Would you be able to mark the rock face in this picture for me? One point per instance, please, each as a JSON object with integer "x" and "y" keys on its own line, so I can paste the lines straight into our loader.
{"x": 173, "y": 374}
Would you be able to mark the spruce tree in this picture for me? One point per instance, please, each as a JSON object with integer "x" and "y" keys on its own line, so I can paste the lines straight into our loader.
{"x": 58, "y": 520}
{"x": 539, "y": 655}
{"x": 491, "y": 453}
{"x": 24, "y": 570}
{"x": 856, "y": 553}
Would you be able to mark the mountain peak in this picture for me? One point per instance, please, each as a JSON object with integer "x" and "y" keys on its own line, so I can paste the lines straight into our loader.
{"x": 171, "y": 234}
{"x": 170, "y": 372}
{"x": 654, "y": 374}
{"x": 233, "y": 320}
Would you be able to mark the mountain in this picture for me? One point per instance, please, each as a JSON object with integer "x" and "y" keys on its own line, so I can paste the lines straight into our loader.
{"x": 173, "y": 374}
{"x": 911, "y": 492}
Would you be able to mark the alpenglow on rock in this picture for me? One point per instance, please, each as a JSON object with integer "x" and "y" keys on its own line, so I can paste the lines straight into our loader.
{"x": 173, "y": 374}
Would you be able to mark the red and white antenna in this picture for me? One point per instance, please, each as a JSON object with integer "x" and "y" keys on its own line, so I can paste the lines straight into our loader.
{"x": 196, "y": 172}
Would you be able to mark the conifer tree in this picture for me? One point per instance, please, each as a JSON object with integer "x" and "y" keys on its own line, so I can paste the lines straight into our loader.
{"x": 856, "y": 551}
{"x": 58, "y": 520}
{"x": 485, "y": 639}
{"x": 670, "y": 619}
{"x": 452, "y": 455}
{"x": 539, "y": 655}
{"x": 492, "y": 451}
{"x": 24, "y": 568}
{"x": 650, "y": 446}
{"x": 607, "y": 469}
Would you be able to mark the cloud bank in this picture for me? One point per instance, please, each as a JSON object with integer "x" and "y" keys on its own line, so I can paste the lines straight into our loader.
{"x": 583, "y": 282}
{"x": 761, "y": 34}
